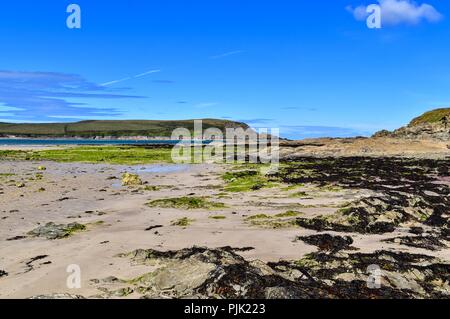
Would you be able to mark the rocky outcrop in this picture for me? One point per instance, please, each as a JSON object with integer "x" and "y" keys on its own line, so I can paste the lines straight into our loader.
{"x": 408, "y": 192}
{"x": 55, "y": 231}
{"x": 431, "y": 125}
{"x": 222, "y": 273}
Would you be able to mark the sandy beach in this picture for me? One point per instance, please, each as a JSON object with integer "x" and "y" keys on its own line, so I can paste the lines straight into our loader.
{"x": 118, "y": 221}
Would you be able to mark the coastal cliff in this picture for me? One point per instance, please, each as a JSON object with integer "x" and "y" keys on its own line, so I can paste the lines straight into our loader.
{"x": 431, "y": 125}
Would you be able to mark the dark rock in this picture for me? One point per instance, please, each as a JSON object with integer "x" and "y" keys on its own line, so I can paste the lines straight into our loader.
{"x": 424, "y": 242}
{"x": 380, "y": 227}
{"x": 416, "y": 230}
{"x": 328, "y": 242}
{"x": 16, "y": 238}
{"x": 153, "y": 227}
{"x": 244, "y": 249}
{"x": 30, "y": 264}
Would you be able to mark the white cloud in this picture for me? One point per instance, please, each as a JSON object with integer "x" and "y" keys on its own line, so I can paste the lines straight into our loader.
{"x": 395, "y": 12}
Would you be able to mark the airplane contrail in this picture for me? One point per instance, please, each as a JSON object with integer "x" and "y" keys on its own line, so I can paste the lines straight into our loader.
{"x": 147, "y": 73}
{"x": 130, "y": 77}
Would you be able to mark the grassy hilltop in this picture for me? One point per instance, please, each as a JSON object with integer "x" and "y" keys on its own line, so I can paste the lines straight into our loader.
{"x": 434, "y": 116}
{"x": 89, "y": 129}
{"x": 434, "y": 124}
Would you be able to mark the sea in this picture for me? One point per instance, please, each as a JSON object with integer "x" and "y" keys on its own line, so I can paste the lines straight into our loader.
{"x": 25, "y": 142}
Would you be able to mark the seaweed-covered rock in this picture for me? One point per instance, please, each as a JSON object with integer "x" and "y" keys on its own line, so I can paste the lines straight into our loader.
{"x": 55, "y": 231}
{"x": 407, "y": 192}
{"x": 402, "y": 275}
{"x": 57, "y": 296}
{"x": 416, "y": 230}
{"x": 374, "y": 215}
{"x": 222, "y": 273}
{"x": 129, "y": 179}
{"x": 3, "y": 273}
{"x": 327, "y": 242}
{"x": 425, "y": 242}
{"x": 211, "y": 273}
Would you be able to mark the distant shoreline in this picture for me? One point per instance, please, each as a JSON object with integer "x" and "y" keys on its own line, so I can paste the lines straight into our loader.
{"x": 108, "y": 138}
{"x": 83, "y": 141}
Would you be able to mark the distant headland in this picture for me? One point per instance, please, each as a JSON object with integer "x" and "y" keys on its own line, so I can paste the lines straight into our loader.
{"x": 119, "y": 129}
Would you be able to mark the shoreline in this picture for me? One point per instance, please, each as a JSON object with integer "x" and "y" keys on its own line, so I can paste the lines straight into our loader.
{"x": 108, "y": 138}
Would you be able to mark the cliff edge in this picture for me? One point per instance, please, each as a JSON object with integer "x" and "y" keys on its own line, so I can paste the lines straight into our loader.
{"x": 434, "y": 124}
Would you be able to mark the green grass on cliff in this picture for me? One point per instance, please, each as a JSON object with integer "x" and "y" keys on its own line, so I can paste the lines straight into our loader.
{"x": 89, "y": 129}
{"x": 434, "y": 116}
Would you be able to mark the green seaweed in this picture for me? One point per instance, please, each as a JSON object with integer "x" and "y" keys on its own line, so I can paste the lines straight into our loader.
{"x": 182, "y": 222}
{"x": 246, "y": 181}
{"x": 186, "y": 203}
{"x": 289, "y": 213}
{"x": 218, "y": 217}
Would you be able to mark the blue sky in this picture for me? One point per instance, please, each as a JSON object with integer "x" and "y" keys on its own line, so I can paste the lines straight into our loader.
{"x": 311, "y": 68}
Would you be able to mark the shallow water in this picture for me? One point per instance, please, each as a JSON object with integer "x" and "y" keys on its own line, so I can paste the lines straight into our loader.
{"x": 154, "y": 168}
{"x": 170, "y": 168}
